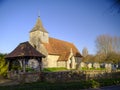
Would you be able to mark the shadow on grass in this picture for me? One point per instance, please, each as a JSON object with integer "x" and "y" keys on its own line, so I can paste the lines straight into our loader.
{"x": 63, "y": 86}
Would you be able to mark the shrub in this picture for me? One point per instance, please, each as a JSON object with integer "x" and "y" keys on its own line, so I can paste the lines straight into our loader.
{"x": 93, "y": 84}
{"x": 3, "y": 65}
{"x": 30, "y": 70}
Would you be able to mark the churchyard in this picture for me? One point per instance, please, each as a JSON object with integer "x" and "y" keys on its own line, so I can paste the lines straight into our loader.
{"x": 88, "y": 75}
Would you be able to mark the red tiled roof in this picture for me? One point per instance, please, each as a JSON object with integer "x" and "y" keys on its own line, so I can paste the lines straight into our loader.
{"x": 24, "y": 50}
{"x": 61, "y": 48}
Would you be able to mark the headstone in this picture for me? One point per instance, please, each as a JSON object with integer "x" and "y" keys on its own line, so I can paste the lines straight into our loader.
{"x": 96, "y": 65}
{"x": 89, "y": 65}
{"x": 82, "y": 64}
{"x": 113, "y": 67}
{"x": 108, "y": 66}
{"x": 116, "y": 66}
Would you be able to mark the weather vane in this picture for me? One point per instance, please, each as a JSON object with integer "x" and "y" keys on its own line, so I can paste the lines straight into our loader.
{"x": 38, "y": 13}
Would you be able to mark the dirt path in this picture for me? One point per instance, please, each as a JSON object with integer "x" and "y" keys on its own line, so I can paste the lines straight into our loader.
{"x": 6, "y": 82}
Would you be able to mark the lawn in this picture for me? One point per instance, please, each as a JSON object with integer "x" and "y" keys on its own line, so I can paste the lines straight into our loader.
{"x": 54, "y": 69}
{"x": 44, "y": 86}
{"x": 84, "y": 69}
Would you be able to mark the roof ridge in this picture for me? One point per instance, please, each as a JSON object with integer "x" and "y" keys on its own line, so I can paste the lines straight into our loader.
{"x": 24, "y": 49}
{"x": 61, "y": 40}
{"x": 24, "y": 42}
{"x": 61, "y": 48}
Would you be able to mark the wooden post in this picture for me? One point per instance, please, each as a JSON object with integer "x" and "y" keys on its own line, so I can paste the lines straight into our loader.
{"x": 9, "y": 65}
{"x": 39, "y": 60}
{"x": 20, "y": 63}
{"x": 24, "y": 66}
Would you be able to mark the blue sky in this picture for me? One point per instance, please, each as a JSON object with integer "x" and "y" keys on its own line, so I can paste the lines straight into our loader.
{"x": 76, "y": 21}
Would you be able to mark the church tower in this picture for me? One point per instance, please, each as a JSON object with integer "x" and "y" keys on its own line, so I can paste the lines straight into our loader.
{"x": 38, "y": 35}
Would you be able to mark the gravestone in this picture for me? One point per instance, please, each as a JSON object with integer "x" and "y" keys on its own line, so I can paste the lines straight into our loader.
{"x": 102, "y": 65}
{"x": 82, "y": 64}
{"x": 108, "y": 66}
{"x": 96, "y": 65}
{"x": 89, "y": 65}
{"x": 114, "y": 67}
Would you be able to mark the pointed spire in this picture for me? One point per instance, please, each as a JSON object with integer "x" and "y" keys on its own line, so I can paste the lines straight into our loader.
{"x": 38, "y": 26}
{"x": 39, "y": 23}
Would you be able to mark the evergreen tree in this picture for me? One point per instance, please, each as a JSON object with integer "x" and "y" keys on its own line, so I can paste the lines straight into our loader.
{"x": 3, "y": 65}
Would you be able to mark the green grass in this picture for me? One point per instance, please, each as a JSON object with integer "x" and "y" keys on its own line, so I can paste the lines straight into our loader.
{"x": 44, "y": 86}
{"x": 92, "y": 68}
{"x": 54, "y": 69}
{"x": 64, "y": 86}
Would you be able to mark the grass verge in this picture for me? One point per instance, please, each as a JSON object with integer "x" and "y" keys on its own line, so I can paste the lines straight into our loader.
{"x": 63, "y": 86}
{"x": 54, "y": 69}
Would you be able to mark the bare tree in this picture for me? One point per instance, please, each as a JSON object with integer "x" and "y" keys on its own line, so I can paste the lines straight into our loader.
{"x": 84, "y": 52}
{"x": 117, "y": 49}
{"x": 107, "y": 44}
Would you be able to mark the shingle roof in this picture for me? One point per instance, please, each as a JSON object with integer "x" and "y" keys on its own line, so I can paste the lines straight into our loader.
{"x": 24, "y": 50}
{"x": 38, "y": 26}
{"x": 61, "y": 48}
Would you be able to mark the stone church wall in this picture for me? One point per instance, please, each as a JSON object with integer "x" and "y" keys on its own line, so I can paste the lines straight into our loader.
{"x": 52, "y": 60}
{"x": 45, "y": 37}
{"x": 38, "y": 36}
{"x": 34, "y": 38}
{"x": 61, "y": 64}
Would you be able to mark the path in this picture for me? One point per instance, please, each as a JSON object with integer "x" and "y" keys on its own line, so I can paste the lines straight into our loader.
{"x": 114, "y": 87}
{"x": 6, "y": 82}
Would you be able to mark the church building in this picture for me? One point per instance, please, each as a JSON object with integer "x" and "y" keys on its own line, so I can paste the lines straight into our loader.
{"x": 58, "y": 53}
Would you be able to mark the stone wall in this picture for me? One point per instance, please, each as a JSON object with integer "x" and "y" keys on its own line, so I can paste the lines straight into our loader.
{"x": 29, "y": 77}
{"x": 64, "y": 76}
{"x": 68, "y": 76}
{"x": 12, "y": 75}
